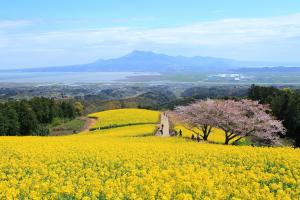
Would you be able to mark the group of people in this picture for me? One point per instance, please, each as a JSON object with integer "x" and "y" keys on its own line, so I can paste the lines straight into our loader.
{"x": 197, "y": 138}
{"x": 162, "y": 125}
{"x": 177, "y": 133}
{"x": 161, "y": 129}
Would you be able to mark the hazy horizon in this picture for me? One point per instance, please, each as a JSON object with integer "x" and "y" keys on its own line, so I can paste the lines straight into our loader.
{"x": 264, "y": 63}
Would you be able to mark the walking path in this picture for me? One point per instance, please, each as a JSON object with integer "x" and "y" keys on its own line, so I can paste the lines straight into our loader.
{"x": 166, "y": 126}
{"x": 89, "y": 122}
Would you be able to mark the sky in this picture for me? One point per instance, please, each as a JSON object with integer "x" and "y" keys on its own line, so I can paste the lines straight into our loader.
{"x": 36, "y": 33}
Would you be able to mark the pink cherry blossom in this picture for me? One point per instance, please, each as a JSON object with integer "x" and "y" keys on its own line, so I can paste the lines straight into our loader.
{"x": 238, "y": 119}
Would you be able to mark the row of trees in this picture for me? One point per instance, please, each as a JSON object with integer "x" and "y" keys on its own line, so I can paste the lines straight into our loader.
{"x": 32, "y": 117}
{"x": 285, "y": 105}
{"x": 238, "y": 119}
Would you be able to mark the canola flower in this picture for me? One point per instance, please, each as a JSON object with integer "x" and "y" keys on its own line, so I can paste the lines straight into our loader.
{"x": 122, "y": 117}
{"x": 127, "y": 131}
{"x": 102, "y": 167}
{"x": 120, "y": 164}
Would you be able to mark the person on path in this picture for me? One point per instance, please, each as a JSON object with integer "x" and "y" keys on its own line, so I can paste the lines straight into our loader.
{"x": 162, "y": 126}
{"x": 193, "y": 137}
{"x": 198, "y": 138}
{"x": 180, "y": 132}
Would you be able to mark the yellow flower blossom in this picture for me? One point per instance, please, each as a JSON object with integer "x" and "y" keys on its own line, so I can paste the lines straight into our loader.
{"x": 116, "y": 164}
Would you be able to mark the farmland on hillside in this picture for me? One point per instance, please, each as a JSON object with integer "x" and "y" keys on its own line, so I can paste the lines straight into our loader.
{"x": 90, "y": 166}
{"x": 123, "y": 117}
{"x": 128, "y": 162}
{"x": 126, "y": 131}
{"x": 150, "y": 100}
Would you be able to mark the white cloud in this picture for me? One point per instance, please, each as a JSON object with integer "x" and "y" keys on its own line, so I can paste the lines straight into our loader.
{"x": 220, "y": 32}
{"x": 227, "y": 38}
{"x": 8, "y": 24}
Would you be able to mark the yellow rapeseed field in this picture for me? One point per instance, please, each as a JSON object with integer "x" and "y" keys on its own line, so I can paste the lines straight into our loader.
{"x": 127, "y": 131}
{"x": 114, "y": 164}
{"x": 121, "y": 117}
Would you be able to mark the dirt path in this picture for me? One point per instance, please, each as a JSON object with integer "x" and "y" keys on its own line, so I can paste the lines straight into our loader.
{"x": 164, "y": 122}
{"x": 89, "y": 122}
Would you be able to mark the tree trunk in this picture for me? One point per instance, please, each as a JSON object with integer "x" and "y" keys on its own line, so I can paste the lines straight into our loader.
{"x": 206, "y": 129}
{"x": 227, "y": 138}
{"x": 226, "y": 141}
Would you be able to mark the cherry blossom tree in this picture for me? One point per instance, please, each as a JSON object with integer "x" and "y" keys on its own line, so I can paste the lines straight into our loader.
{"x": 238, "y": 119}
{"x": 199, "y": 115}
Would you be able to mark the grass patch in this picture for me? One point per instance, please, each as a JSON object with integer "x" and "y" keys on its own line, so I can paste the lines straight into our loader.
{"x": 68, "y": 127}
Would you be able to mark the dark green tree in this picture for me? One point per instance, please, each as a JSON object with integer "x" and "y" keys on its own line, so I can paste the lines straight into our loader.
{"x": 13, "y": 126}
{"x": 285, "y": 105}
{"x": 27, "y": 119}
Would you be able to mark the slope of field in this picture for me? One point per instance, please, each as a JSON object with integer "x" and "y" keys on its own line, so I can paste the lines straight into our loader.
{"x": 127, "y": 131}
{"x": 116, "y": 164}
{"x": 102, "y": 167}
{"x": 124, "y": 117}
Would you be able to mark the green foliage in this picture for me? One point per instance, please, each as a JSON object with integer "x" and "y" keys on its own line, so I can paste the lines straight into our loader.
{"x": 9, "y": 117}
{"x": 244, "y": 142}
{"x": 67, "y": 127}
{"x": 79, "y": 108}
{"x": 27, "y": 118}
{"x": 154, "y": 100}
{"x": 32, "y": 117}
{"x": 56, "y": 122}
{"x": 215, "y": 92}
{"x": 74, "y": 124}
{"x": 285, "y": 105}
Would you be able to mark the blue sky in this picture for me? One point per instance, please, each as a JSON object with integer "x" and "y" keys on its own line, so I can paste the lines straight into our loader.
{"x": 36, "y": 33}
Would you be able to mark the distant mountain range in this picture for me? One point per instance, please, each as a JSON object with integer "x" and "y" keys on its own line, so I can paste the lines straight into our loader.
{"x": 145, "y": 61}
